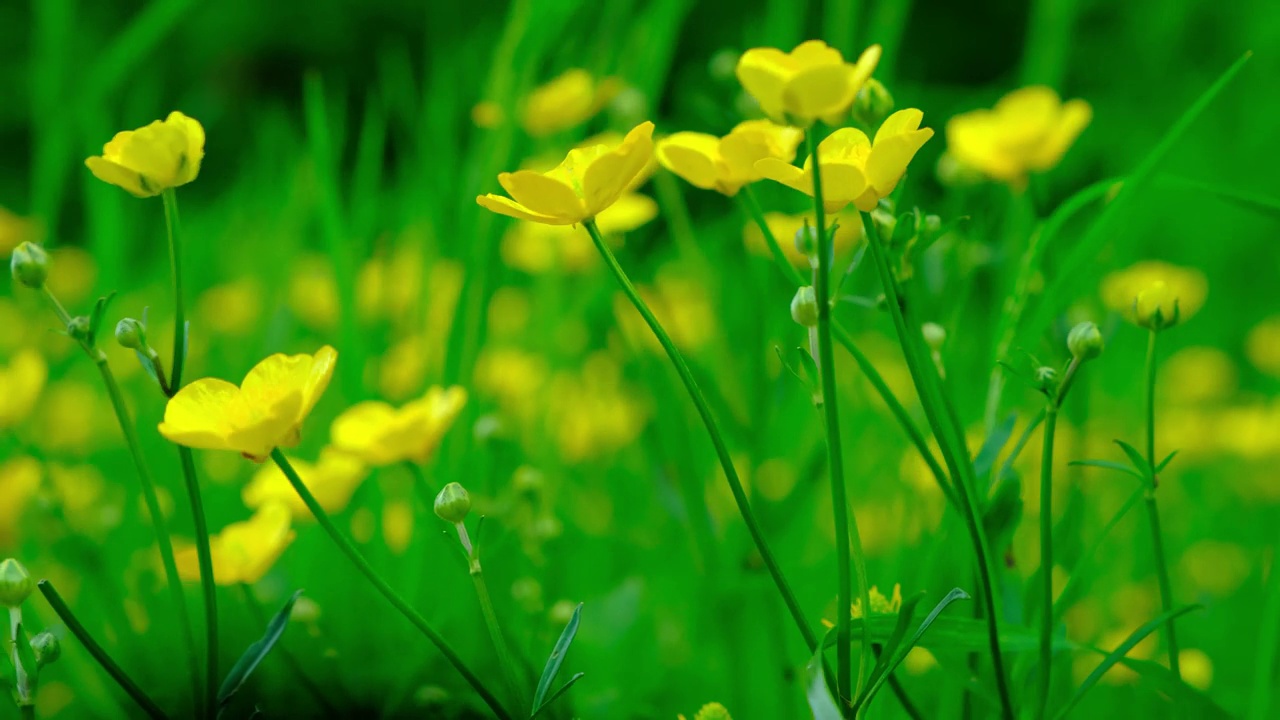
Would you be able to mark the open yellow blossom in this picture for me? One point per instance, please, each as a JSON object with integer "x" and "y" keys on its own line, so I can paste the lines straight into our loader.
{"x": 536, "y": 248}
{"x": 150, "y": 160}
{"x": 784, "y": 228}
{"x": 244, "y": 551}
{"x": 264, "y": 413}
{"x": 380, "y": 434}
{"x": 726, "y": 164}
{"x": 588, "y": 181}
{"x": 566, "y": 101}
{"x": 332, "y": 480}
{"x": 854, "y": 169}
{"x": 811, "y": 82}
{"x": 1027, "y": 131}
{"x": 22, "y": 379}
{"x": 1155, "y": 295}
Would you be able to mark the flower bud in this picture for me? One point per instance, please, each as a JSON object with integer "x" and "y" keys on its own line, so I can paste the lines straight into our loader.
{"x": 872, "y": 104}
{"x": 1085, "y": 341}
{"x": 30, "y": 265}
{"x": 1046, "y": 377}
{"x": 885, "y": 223}
{"x": 16, "y": 583}
{"x": 46, "y": 647}
{"x": 131, "y": 334}
{"x": 453, "y": 503}
{"x": 807, "y": 240}
{"x": 934, "y": 335}
{"x": 804, "y": 307}
{"x": 80, "y": 328}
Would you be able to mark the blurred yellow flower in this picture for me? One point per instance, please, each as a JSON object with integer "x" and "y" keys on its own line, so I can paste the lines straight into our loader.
{"x": 592, "y": 413}
{"x": 264, "y": 413}
{"x": 313, "y": 291}
{"x": 15, "y": 230}
{"x": 566, "y": 101}
{"x": 1198, "y": 375}
{"x": 710, "y": 711}
{"x": 23, "y": 379}
{"x": 1263, "y": 346}
{"x": 919, "y": 661}
{"x": 244, "y": 551}
{"x": 82, "y": 494}
{"x": 72, "y": 416}
{"x": 1155, "y": 295}
{"x": 332, "y": 480}
{"x": 855, "y": 169}
{"x": 19, "y": 482}
{"x": 536, "y": 248}
{"x": 1197, "y": 668}
{"x": 784, "y": 228}
{"x": 588, "y": 181}
{"x": 233, "y": 308}
{"x": 397, "y": 525}
{"x": 726, "y": 164}
{"x": 486, "y": 114}
{"x": 73, "y": 274}
{"x": 380, "y": 434}
{"x": 509, "y": 311}
{"x": 513, "y": 377}
{"x": 680, "y": 302}
{"x": 1215, "y": 567}
{"x": 811, "y": 82}
{"x": 1027, "y": 131}
{"x": 390, "y": 285}
{"x": 150, "y": 160}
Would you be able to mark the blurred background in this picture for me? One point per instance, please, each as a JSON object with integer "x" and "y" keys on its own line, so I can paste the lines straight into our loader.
{"x": 345, "y": 144}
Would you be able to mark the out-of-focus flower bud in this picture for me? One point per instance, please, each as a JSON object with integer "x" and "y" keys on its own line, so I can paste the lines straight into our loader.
{"x": 30, "y": 265}
{"x": 872, "y": 104}
{"x": 46, "y": 647}
{"x": 1085, "y": 341}
{"x": 453, "y": 503}
{"x": 804, "y": 307}
{"x": 131, "y": 333}
{"x": 934, "y": 335}
{"x": 16, "y": 583}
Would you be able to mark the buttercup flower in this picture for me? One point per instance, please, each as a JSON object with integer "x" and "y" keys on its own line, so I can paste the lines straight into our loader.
{"x": 710, "y": 711}
{"x": 332, "y": 480}
{"x": 536, "y": 248}
{"x": 784, "y": 228}
{"x": 565, "y": 102}
{"x": 22, "y": 379}
{"x": 880, "y": 604}
{"x": 150, "y": 160}
{"x": 811, "y": 82}
{"x": 579, "y": 188}
{"x": 1027, "y": 131}
{"x": 1155, "y": 295}
{"x": 726, "y": 164}
{"x": 243, "y": 552}
{"x": 855, "y": 169}
{"x": 264, "y": 413}
{"x": 381, "y": 435}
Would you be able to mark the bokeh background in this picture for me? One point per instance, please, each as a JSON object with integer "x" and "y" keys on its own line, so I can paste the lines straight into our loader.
{"x": 335, "y": 204}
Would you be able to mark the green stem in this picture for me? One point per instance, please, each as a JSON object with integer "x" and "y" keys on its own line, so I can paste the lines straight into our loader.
{"x": 173, "y": 226}
{"x": 1153, "y": 513}
{"x": 926, "y": 386}
{"x": 846, "y": 532}
{"x": 122, "y": 679}
{"x": 295, "y": 667}
{"x": 349, "y": 549}
{"x": 204, "y": 557}
{"x": 1046, "y": 555}
{"x": 506, "y": 658}
{"x": 28, "y": 712}
{"x": 722, "y": 451}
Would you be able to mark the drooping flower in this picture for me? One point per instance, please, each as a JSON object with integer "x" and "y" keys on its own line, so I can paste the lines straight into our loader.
{"x": 854, "y": 169}
{"x": 579, "y": 188}
{"x": 811, "y": 82}
{"x": 726, "y": 164}
{"x": 265, "y": 412}
{"x": 332, "y": 480}
{"x": 244, "y": 551}
{"x": 566, "y": 101}
{"x": 152, "y": 159}
{"x": 1027, "y": 131}
{"x": 380, "y": 434}
{"x": 784, "y": 228}
{"x": 537, "y": 248}
{"x": 1155, "y": 295}
{"x": 22, "y": 379}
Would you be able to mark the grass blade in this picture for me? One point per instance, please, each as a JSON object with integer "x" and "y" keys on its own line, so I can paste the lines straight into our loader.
{"x": 817, "y": 693}
{"x": 555, "y": 661}
{"x": 901, "y": 653}
{"x": 255, "y": 653}
{"x": 555, "y": 695}
{"x": 1107, "y": 465}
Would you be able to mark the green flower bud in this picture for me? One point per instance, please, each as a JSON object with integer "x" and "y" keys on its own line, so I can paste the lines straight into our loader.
{"x": 47, "y": 648}
{"x": 131, "y": 333}
{"x": 872, "y": 104}
{"x": 804, "y": 307}
{"x": 81, "y": 328}
{"x": 16, "y": 583}
{"x": 934, "y": 335}
{"x": 30, "y": 265}
{"x": 1046, "y": 377}
{"x": 1085, "y": 341}
{"x": 885, "y": 222}
{"x": 807, "y": 241}
{"x": 453, "y": 503}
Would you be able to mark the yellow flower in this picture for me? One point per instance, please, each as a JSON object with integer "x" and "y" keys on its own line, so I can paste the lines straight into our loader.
{"x": 1155, "y": 295}
{"x": 1262, "y": 347}
{"x": 726, "y": 164}
{"x": 811, "y": 82}
{"x": 150, "y": 160}
{"x": 594, "y": 413}
{"x": 264, "y": 413}
{"x": 1027, "y": 131}
{"x": 536, "y": 248}
{"x": 588, "y": 181}
{"x": 854, "y": 169}
{"x": 15, "y": 230}
{"x": 332, "y": 480}
{"x": 74, "y": 274}
{"x": 784, "y": 228}
{"x": 313, "y": 291}
{"x": 397, "y": 525}
{"x": 381, "y": 435}
{"x": 512, "y": 377}
{"x": 22, "y": 379}
{"x": 232, "y": 308}
{"x": 486, "y": 114}
{"x": 568, "y": 100}
{"x": 710, "y": 711}
{"x": 681, "y": 304}
{"x": 1197, "y": 667}
{"x": 880, "y": 605}
{"x": 81, "y": 494}
{"x": 19, "y": 482}
{"x": 243, "y": 552}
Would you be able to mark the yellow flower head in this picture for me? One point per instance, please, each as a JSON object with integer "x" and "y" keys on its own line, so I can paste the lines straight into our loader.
{"x": 150, "y": 160}
{"x": 381, "y": 435}
{"x": 880, "y": 604}
{"x": 726, "y": 164}
{"x": 1155, "y": 295}
{"x": 332, "y": 480}
{"x": 243, "y": 552}
{"x": 579, "y": 188}
{"x": 855, "y": 169}
{"x": 567, "y": 101}
{"x": 711, "y": 711}
{"x": 536, "y": 248}
{"x": 264, "y": 413}
{"x": 784, "y": 228}
{"x": 22, "y": 379}
{"x": 1027, "y": 131}
{"x": 20, "y": 478}
{"x": 811, "y": 82}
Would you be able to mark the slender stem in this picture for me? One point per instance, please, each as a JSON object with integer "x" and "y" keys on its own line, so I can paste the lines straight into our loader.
{"x": 349, "y": 549}
{"x": 1046, "y": 555}
{"x": 925, "y": 385}
{"x": 122, "y": 679}
{"x": 845, "y": 534}
{"x": 204, "y": 557}
{"x": 1153, "y": 513}
{"x": 295, "y": 667}
{"x": 713, "y": 430}
{"x": 505, "y": 657}
{"x": 22, "y": 688}
{"x": 173, "y": 226}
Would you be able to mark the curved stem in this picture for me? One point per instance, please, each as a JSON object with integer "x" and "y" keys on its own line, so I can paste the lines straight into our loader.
{"x": 1046, "y": 555}
{"x": 173, "y": 226}
{"x": 722, "y": 451}
{"x": 122, "y": 679}
{"x": 1153, "y": 513}
{"x": 505, "y": 657}
{"x": 349, "y": 549}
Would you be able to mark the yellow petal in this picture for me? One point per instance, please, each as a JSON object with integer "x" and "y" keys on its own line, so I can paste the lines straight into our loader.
{"x": 818, "y": 92}
{"x": 510, "y": 208}
{"x": 763, "y": 73}
{"x": 785, "y": 173}
{"x": 204, "y": 414}
{"x": 247, "y": 550}
{"x": 322, "y": 364}
{"x": 889, "y": 158}
{"x": 899, "y": 123}
{"x": 610, "y": 174}
{"x": 692, "y": 156}
{"x": 120, "y": 176}
{"x": 628, "y": 213}
{"x": 812, "y": 53}
{"x": 1074, "y": 118}
{"x": 193, "y": 132}
{"x": 542, "y": 194}
{"x": 359, "y": 430}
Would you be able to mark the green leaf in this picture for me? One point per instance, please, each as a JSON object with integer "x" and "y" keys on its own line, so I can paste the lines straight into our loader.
{"x": 27, "y": 657}
{"x": 901, "y": 653}
{"x": 1260, "y": 204}
{"x": 905, "y": 613}
{"x": 1108, "y": 465}
{"x": 99, "y": 312}
{"x": 992, "y": 446}
{"x": 255, "y": 653}
{"x": 1165, "y": 462}
{"x": 823, "y": 705}
{"x": 1139, "y": 463}
{"x": 1078, "y": 580}
{"x": 1190, "y": 701}
{"x": 555, "y": 661}
{"x": 1004, "y": 511}
{"x": 563, "y": 689}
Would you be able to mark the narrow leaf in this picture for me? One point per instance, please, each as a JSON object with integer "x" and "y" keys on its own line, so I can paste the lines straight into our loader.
{"x": 1139, "y": 463}
{"x": 890, "y": 646}
{"x": 27, "y": 657}
{"x": 555, "y": 695}
{"x": 901, "y": 654}
{"x": 255, "y": 653}
{"x": 823, "y": 705}
{"x": 1107, "y": 465}
{"x": 556, "y": 660}
{"x": 1165, "y": 462}
{"x": 993, "y": 445}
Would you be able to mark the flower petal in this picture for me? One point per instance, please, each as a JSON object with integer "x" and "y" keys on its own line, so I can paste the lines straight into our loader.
{"x": 542, "y": 194}
{"x": 120, "y": 176}
{"x": 692, "y": 156}
{"x": 204, "y": 415}
{"x": 818, "y": 92}
{"x": 785, "y": 173}
{"x": 609, "y": 175}
{"x": 763, "y": 73}
{"x": 889, "y": 158}
{"x": 510, "y": 208}
{"x": 1074, "y": 118}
